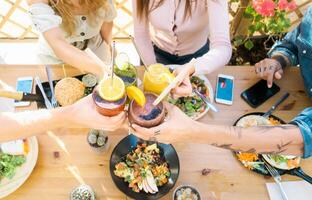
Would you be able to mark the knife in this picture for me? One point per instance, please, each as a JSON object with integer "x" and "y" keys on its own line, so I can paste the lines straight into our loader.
{"x": 205, "y": 99}
{"x": 46, "y": 100}
{"x": 269, "y": 112}
{"x": 20, "y": 96}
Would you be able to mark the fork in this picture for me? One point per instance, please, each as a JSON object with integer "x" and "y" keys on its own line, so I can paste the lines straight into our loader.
{"x": 277, "y": 178}
{"x": 53, "y": 99}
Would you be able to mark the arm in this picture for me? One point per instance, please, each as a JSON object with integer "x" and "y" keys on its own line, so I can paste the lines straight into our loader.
{"x": 142, "y": 37}
{"x": 220, "y": 50}
{"x": 106, "y": 32}
{"x": 55, "y": 38}
{"x": 286, "y": 139}
{"x": 25, "y": 124}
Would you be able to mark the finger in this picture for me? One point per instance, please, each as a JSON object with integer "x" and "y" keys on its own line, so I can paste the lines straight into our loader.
{"x": 257, "y": 67}
{"x": 120, "y": 117}
{"x": 278, "y": 75}
{"x": 143, "y": 133}
{"x": 270, "y": 77}
{"x": 168, "y": 106}
{"x": 182, "y": 91}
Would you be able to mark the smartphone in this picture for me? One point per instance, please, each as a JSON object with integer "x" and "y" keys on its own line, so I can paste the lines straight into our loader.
{"x": 24, "y": 84}
{"x": 259, "y": 93}
{"x": 224, "y": 90}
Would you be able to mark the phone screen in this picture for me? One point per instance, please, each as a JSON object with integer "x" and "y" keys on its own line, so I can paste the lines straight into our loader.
{"x": 24, "y": 86}
{"x": 225, "y": 89}
{"x": 259, "y": 93}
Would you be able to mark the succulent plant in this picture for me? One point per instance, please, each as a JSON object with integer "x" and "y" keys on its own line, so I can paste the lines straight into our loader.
{"x": 92, "y": 138}
{"x": 83, "y": 192}
{"x": 101, "y": 141}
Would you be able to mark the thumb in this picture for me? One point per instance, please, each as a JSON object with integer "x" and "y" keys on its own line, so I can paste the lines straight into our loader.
{"x": 278, "y": 74}
{"x": 168, "y": 106}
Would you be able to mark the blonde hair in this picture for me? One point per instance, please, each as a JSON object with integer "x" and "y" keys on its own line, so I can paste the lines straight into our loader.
{"x": 64, "y": 9}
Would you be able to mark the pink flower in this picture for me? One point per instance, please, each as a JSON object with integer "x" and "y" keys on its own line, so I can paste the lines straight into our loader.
{"x": 282, "y": 4}
{"x": 291, "y": 6}
{"x": 264, "y": 7}
{"x": 287, "y": 5}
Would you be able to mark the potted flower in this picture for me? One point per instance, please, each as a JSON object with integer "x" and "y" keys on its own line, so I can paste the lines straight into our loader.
{"x": 267, "y": 22}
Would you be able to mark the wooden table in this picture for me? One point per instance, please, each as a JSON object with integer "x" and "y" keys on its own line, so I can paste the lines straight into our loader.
{"x": 54, "y": 177}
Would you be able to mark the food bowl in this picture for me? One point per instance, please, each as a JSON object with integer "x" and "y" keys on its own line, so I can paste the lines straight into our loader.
{"x": 149, "y": 115}
{"x": 186, "y": 190}
{"x": 168, "y": 152}
{"x": 108, "y": 108}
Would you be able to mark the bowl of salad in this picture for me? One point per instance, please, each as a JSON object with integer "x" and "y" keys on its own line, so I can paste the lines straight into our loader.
{"x": 193, "y": 106}
{"x": 144, "y": 170}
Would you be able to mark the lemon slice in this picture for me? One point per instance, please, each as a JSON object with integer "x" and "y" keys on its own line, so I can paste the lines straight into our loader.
{"x": 112, "y": 90}
{"x": 164, "y": 77}
{"x": 136, "y": 94}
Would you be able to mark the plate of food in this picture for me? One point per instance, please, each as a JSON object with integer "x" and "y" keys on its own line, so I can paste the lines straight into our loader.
{"x": 285, "y": 164}
{"x": 193, "y": 106}
{"x": 17, "y": 161}
{"x": 68, "y": 90}
{"x": 144, "y": 170}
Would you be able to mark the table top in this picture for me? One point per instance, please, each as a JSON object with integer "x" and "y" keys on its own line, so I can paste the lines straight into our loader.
{"x": 55, "y": 176}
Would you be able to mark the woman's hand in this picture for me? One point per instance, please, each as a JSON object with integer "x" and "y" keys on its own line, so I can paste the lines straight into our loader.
{"x": 172, "y": 130}
{"x": 268, "y": 69}
{"x": 83, "y": 114}
{"x": 185, "y": 88}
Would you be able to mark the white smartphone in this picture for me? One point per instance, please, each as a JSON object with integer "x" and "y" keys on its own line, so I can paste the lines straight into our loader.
{"x": 24, "y": 84}
{"x": 225, "y": 89}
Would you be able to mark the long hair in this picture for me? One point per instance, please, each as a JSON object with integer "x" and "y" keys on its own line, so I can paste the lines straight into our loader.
{"x": 144, "y": 8}
{"x": 64, "y": 9}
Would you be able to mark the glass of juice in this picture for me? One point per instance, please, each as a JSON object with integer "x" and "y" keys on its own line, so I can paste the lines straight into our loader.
{"x": 157, "y": 78}
{"x": 125, "y": 70}
{"x": 110, "y": 96}
{"x": 147, "y": 115}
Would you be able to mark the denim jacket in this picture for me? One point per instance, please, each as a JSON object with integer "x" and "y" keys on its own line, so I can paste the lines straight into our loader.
{"x": 304, "y": 122}
{"x": 297, "y": 47}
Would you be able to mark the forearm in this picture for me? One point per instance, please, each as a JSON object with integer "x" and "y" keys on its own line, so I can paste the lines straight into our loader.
{"x": 266, "y": 139}
{"x": 25, "y": 124}
{"x": 215, "y": 58}
{"x": 72, "y": 55}
{"x": 106, "y": 32}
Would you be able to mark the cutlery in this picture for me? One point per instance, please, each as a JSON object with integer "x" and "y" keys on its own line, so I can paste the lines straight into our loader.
{"x": 49, "y": 74}
{"x": 269, "y": 112}
{"x": 46, "y": 100}
{"x": 139, "y": 52}
{"x": 112, "y": 63}
{"x": 20, "y": 96}
{"x": 206, "y": 100}
{"x": 277, "y": 178}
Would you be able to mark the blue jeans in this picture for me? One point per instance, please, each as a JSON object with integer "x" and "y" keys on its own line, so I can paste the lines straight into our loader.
{"x": 167, "y": 58}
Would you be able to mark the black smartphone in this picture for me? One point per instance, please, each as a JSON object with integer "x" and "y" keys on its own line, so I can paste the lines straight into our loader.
{"x": 259, "y": 93}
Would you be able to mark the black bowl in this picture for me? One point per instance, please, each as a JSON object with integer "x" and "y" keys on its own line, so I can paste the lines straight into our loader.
{"x": 167, "y": 150}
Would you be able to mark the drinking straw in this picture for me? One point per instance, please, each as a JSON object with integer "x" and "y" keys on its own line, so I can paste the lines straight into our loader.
{"x": 113, "y": 63}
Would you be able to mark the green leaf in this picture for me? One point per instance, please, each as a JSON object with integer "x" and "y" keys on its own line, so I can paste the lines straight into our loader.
{"x": 249, "y": 44}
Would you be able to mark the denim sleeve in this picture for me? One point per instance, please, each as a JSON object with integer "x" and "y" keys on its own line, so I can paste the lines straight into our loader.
{"x": 304, "y": 122}
{"x": 287, "y": 47}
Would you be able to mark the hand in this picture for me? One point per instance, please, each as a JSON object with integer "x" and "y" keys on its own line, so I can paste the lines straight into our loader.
{"x": 269, "y": 69}
{"x": 83, "y": 114}
{"x": 175, "y": 125}
{"x": 185, "y": 88}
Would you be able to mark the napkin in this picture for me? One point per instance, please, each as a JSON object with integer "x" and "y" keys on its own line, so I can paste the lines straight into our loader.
{"x": 295, "y": 190}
